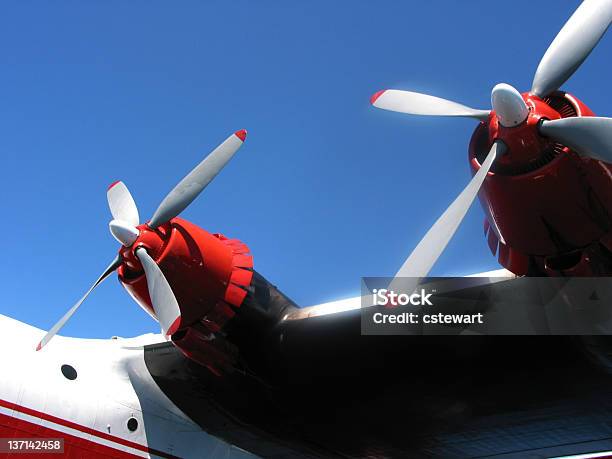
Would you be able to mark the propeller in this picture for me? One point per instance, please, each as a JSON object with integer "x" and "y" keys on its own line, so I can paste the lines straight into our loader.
{"x": 415, "y": 103}
{"x": 162, "y": 298}
{"x": 124, "y": 228}
{"x": 60, "y": 323}
{"x": 121, "y": 204}
{"x": 429, "y": 249}
{"x": 568, "y": 50}
{"x": 588, "y": 136}
{"x": 572, "y": 45}
{"x": 507, "y": 102}
{"x": 192, "y": 185}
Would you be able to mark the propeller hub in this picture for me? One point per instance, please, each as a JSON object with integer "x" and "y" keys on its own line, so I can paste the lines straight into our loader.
{"x": 509, "y": 106}
{"x": 153, "y": 240}
{"x": 124, "y": 232}
{"x": 526, "y": 146}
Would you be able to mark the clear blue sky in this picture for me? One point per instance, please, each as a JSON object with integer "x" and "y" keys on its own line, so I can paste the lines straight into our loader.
{"x": 325, "y": 190}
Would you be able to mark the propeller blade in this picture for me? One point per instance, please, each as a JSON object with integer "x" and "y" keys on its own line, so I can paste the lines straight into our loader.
{"x": 427, "y": 252}
{"x": 121, "y": 203}
{"x": 572, "y": 45}
{"x": 588, "y": 136}
{"x": 192, "y": 185}
{"x": 415, "y": 103}
{"x": 162, "y": 298}
{"x": 60, "y": 323}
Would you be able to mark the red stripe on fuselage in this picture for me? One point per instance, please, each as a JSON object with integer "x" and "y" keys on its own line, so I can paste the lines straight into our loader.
{"x": 74, "y": 447}
{"x": 16, "y": 423}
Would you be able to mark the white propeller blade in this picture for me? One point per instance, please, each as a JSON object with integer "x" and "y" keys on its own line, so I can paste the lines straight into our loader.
{"x": 192, "y": 185}
{"x": 121, "y": 203}
{"x": 427, "y": 252}
{"x": 162, "y": 298}
{"x": 572, "y": 45}
{"x": 589, "y": 135}
{"x": 56, "y": 328}
{"x": 415, "y": 103}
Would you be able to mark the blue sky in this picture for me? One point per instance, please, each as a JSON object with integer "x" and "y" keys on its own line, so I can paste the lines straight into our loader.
{"x": 325, "y": 190}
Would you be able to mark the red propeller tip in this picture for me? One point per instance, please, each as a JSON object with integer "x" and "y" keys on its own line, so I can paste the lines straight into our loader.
{"x": 39, "y": 347}
{"x": 113, "y": 184}
{"x": 241, "y": 134}
{"x": 174, "y": 327}
{"x": 375, "y": 97}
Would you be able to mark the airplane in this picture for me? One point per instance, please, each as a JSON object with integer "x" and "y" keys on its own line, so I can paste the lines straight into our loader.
{"x": 239, "y": 370}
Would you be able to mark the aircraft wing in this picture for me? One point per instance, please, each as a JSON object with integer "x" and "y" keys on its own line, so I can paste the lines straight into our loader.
{"x": 354, "y": 303}
{"x": 322, "y": 389}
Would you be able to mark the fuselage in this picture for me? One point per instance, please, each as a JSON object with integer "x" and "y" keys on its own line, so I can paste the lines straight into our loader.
{"x": 95, "y": 394}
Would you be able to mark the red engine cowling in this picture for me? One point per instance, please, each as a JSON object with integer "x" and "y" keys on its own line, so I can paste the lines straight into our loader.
{"x": 548, "y": 210}
{"x": 208, "y": 273}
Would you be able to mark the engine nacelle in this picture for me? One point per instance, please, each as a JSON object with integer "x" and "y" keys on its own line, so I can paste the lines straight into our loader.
{"x": 208, "y": 273}
{"x": 547, "y": 209}
{"x": 228, "y": 311}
